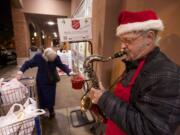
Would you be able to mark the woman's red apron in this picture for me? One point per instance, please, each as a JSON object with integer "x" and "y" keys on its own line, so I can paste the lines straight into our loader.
{"x": 124, "y": 94}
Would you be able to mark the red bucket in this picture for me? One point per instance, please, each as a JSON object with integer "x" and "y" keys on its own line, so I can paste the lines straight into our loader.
{"x": 77, "y": 82}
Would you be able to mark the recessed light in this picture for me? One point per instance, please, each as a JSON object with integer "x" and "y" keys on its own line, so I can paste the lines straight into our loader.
{"x": 43, "y": 36}
{"x": 55, "y": 34}
{"x": 35, "y": 34}
{"x": 50, "y": 23}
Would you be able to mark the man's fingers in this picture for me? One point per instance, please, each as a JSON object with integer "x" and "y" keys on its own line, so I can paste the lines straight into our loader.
{"x": 95, "y": 94}
{"x": 93, "y": 101}
{"x": 91, "y": 93}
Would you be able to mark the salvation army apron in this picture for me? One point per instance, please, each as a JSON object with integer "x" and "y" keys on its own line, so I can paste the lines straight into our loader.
{"x": 124, "y": 94}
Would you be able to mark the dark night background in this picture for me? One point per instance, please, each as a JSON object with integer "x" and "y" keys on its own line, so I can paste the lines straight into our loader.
{"x": 6, "y": 27}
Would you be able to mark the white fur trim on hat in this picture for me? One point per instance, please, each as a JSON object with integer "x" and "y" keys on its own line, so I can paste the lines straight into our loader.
{"x": 138, "y": 26}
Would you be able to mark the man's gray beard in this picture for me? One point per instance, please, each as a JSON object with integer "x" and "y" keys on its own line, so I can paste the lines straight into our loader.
{"x": 141, "y": 49}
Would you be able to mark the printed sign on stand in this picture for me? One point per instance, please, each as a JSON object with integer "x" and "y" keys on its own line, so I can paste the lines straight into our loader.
{"x": 74, "y": 29}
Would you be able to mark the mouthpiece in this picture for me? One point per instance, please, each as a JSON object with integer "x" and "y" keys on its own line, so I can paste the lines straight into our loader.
{"x": 118, "y": 54}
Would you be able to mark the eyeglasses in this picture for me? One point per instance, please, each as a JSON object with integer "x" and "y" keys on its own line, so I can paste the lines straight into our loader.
{"x": 128, "y": 40}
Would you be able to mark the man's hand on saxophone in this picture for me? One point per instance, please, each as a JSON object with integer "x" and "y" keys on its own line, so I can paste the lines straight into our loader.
{"x": 95, "y": 94}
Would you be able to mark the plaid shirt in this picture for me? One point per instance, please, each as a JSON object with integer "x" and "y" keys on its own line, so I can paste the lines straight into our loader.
{"x": 154, "y": 107}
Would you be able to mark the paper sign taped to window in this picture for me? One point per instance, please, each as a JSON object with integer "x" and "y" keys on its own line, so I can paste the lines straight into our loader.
{"x": 74, "y": 29}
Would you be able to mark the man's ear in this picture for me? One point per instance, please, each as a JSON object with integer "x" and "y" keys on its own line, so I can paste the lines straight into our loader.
{"x": 150, "y": 37}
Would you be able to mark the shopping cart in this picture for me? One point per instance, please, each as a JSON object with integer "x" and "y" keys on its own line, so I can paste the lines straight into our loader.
{"x": 16, "y": 95}
{"x": 29, "y": 82}
{"x": 21, "y": 127}
{"x": 24, "y": 127}
{"x": 29, "y": 126}
{"x": 21, "y": 123}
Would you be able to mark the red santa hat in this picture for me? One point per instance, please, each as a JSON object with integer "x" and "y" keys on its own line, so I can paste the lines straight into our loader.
{"x": 137, "y": 21}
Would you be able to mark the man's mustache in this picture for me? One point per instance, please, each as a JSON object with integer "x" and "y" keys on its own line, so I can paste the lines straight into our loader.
{"x": 126, "y": 50}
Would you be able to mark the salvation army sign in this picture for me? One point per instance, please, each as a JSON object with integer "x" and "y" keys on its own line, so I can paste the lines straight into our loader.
{"x": 74, "y": 29}
{"x": 75, "y": 24}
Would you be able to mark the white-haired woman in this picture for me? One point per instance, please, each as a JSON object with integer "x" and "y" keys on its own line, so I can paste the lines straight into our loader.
{"x": 46, "y": 77}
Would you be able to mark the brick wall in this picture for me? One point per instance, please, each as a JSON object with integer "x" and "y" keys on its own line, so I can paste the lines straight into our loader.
{"x": 21, "y": 33}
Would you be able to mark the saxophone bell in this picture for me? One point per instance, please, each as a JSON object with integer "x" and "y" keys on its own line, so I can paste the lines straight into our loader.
{"x": 86, "y": 103}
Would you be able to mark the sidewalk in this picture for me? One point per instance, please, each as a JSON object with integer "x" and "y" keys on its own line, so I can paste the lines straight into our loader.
{"x": 66, "y": 100}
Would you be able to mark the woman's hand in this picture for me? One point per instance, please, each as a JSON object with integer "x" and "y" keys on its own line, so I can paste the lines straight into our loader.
{"x": 19, "y": 75}
{"x": 95, "y": 94}
{"x": 1, "y": 81}
{"x": 73, "y": 73}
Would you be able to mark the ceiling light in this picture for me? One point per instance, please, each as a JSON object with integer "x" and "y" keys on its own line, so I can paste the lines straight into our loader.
{"x": 50, "y": 23}
{"x": 55, "y": 34}
{"x": 43, "y": 36}
{"x": 35, "y": 34}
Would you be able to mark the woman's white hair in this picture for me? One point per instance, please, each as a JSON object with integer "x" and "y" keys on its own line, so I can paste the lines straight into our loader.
{"x": 49, "y": 52}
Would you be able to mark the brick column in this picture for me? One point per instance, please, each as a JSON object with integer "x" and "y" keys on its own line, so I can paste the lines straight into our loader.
{"x": 21, "y": 33}
{"x": 48, "y": 40}
{"x": 38, "y": 40}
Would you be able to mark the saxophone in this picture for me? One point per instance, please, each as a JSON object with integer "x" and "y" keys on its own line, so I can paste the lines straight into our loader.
{"x": 92, "y": 80}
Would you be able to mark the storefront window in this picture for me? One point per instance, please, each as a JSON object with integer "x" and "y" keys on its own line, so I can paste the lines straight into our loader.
{"x": 81, "y": 50}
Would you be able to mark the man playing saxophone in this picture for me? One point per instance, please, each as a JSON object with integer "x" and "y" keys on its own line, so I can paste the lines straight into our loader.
{"x": 147, "y": 99}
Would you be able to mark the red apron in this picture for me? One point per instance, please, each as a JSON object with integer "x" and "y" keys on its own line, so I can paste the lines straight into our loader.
{"x": 124, "y": 94}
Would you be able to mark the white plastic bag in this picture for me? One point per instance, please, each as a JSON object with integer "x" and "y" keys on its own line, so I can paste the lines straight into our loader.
{"x": 10, "y": 124}
{"x": 12, "y": 91}
{"x": 30, "y": 105}
{"x": 30, "y": 112}
{"x": 28, "y": 125}
{"x": 20, "y": 122}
